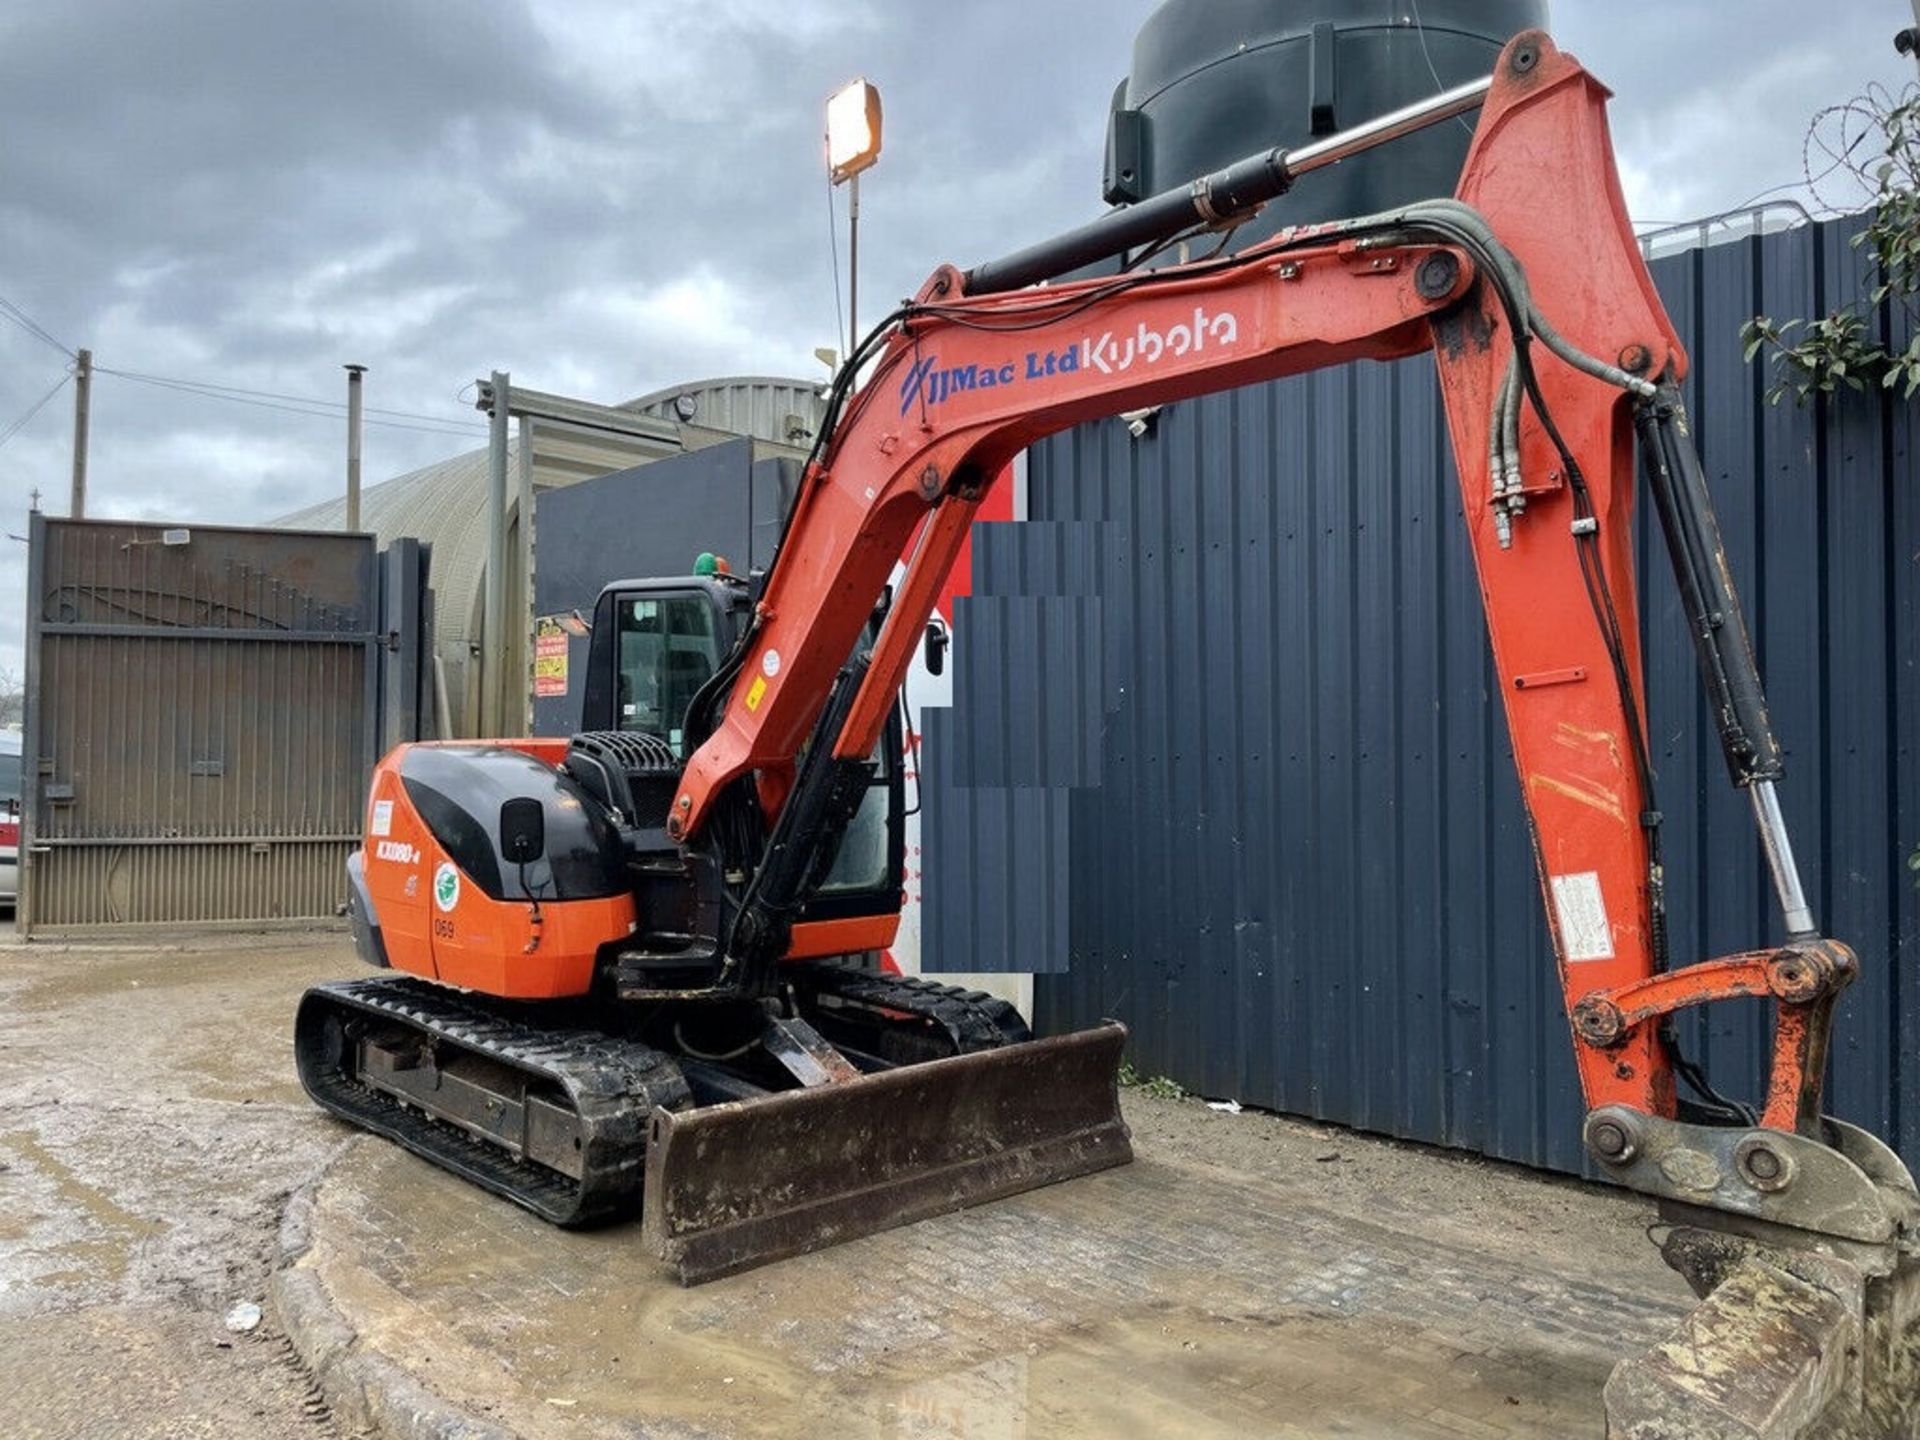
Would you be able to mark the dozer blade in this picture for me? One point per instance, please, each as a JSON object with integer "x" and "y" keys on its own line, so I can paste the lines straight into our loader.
{"x": 736, "y": 1185}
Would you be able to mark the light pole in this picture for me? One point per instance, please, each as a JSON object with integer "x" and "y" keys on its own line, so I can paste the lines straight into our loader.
{"x": 853, "y": 144}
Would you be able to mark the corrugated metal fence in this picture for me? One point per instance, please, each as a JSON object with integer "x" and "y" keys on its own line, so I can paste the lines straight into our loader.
{"x": 1225, "y": 726}
{"x": 204, "y": 707}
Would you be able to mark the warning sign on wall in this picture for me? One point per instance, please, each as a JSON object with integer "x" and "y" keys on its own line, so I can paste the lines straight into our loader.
{"x": 549, "y": 659}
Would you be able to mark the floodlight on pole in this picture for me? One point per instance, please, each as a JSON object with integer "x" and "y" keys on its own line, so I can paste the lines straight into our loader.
{"x": 853, "y": 144}
{"x": 853, "y": 130}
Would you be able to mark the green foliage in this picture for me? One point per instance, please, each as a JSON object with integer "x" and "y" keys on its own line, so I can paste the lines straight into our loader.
{"x": 1159, "y": 1087}
{"x": 1820, "y": 357}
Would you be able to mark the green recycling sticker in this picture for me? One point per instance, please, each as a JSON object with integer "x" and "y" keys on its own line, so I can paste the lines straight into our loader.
{"x": 446, "y": 886}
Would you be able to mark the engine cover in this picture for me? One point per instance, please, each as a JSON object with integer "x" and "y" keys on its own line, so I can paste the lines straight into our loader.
{"x": 443, "y": 901}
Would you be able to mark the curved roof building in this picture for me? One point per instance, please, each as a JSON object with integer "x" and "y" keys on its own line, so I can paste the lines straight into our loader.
{"x": 444, "y": 504}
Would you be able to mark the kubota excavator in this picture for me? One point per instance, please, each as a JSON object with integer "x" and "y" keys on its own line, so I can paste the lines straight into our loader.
{"x": 632, "y": 955}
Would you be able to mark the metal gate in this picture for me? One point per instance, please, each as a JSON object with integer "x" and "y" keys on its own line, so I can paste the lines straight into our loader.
{"x": 203, "y": 707}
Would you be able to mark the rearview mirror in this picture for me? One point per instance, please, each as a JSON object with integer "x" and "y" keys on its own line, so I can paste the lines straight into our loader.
{"x": 523, "y": 830}
{"x": 936, "y": 648}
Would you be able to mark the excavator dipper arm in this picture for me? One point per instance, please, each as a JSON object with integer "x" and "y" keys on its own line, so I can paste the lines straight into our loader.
{"x": 1557, "y": 363}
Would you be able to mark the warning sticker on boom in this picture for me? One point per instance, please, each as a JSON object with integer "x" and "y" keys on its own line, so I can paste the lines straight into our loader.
{"x": 1585, "y": 931}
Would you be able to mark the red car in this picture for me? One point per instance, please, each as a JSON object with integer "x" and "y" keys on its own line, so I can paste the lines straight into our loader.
{"x": 9, "y": 816}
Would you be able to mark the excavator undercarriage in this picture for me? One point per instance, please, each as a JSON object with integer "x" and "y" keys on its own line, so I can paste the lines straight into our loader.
{"x": 928, "y": 1097}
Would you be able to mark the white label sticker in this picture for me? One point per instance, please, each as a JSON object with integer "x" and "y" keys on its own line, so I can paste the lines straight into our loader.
{"x": 1584, "y": 929}
{"x": 446, "y": 886}
{"x": 383, "y": 817}
{"x": 770, "y": 663}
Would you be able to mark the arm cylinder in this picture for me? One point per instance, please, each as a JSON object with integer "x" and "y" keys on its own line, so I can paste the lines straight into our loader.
{"x": 1728, "y": 668}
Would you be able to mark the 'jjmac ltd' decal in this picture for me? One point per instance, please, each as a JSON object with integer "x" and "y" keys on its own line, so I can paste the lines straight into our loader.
{"x": 928, "y": 383}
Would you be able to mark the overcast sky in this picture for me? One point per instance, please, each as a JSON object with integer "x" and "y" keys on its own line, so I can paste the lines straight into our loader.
{"x": 609, "y": 196}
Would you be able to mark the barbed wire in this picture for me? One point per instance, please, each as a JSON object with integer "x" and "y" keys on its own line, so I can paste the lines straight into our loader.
{"x": 1838, "y": 133}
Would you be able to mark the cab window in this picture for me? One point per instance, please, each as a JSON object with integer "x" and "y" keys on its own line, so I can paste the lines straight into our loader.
{"x": 668, "y": 649}
{"x": 866, "y": 849}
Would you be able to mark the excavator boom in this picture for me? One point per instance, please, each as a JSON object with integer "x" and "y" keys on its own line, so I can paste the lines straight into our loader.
{"x": 1559, "y": 367}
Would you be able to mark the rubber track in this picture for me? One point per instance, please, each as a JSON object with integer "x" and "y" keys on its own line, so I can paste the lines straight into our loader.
{"x": 613, "y": 1085}
{"x": 973, "y": 1019}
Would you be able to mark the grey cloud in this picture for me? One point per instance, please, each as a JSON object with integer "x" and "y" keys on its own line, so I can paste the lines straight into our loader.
{"x": 255, "y": 193}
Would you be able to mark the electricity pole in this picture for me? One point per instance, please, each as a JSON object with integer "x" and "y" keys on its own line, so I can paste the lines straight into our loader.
{"x": 354, "y": 372}
{"x": 82, "y": 401}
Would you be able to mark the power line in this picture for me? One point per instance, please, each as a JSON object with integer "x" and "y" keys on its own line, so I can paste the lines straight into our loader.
{"x": 436, "y": 424}
{"x": 1420, "y": 32}
{"x": 210, "y": 385}
{"x": 34, "y": 409}
{"x": 318, "y": 409}
{"x": 291, "y": 405}
{"x": 11, "y": 311}
{"x": 314, "y": 405}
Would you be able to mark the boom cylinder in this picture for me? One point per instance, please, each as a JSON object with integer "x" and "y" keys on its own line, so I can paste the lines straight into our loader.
{"x": 1218, "y": 198}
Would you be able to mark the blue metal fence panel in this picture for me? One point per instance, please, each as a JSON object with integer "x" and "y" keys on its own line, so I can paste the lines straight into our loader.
{"x": 1298, "y": 865}
{"x": 996, "y": 888}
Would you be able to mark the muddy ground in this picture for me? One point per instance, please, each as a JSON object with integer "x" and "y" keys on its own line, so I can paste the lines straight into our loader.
{"x": 150, "y": 1131}
{"x": 151, "y": 1128}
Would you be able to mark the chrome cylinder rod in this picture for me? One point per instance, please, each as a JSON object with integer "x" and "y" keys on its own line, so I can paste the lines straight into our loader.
{"x": 1390, "y": 126}
{"x": 1786, "y": 875}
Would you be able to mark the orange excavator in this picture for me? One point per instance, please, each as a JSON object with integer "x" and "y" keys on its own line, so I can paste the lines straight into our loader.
{"x": 638, "y": 961}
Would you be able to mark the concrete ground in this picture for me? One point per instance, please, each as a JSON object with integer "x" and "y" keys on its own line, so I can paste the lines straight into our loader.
{"x": 1247, "y": 1276}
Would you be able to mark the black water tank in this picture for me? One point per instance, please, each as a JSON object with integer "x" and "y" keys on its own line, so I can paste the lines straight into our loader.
{"x": 1214, "y": 80}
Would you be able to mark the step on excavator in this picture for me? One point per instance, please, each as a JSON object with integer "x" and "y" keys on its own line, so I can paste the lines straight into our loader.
{"x": 635, "y": 966}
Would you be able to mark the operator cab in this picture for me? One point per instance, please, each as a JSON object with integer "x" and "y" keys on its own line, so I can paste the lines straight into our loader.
{"x": 655, "y": 643}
